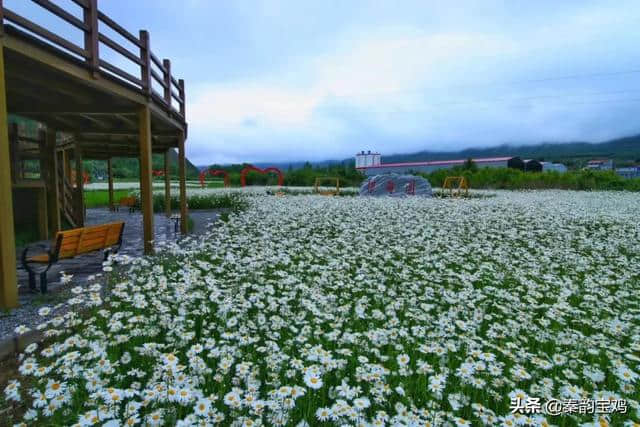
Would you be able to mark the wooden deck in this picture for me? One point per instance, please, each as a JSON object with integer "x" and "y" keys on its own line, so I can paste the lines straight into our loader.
{"x": 74, "y": 89}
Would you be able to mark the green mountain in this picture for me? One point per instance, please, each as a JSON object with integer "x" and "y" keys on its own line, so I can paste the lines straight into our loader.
{"x": 624, "y": 151}
{"x": 129, "y": 167}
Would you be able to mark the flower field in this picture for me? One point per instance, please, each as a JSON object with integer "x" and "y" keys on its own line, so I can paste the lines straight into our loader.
{"x": 313, "y": 310}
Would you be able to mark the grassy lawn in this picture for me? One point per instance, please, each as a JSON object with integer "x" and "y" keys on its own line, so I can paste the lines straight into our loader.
{"x": 100, "y": 198}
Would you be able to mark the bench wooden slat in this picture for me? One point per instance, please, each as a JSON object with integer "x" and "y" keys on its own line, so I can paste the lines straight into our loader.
{"x": 69, "y": 243}
{"x": 93, "y": 238}
{"x": 113, "y": 235}
{"x": 74, "y": 242}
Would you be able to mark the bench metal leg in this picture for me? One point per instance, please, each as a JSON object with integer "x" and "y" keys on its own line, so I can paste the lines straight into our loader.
{"x": 43, "y": 282}
{"x": 32, "y": 280}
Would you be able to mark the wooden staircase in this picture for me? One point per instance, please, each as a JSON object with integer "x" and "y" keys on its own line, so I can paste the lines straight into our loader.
{"x": 67, "y": 198}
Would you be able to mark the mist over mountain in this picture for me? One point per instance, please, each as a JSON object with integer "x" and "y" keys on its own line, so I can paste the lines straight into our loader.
{"x": 624, "y": 151}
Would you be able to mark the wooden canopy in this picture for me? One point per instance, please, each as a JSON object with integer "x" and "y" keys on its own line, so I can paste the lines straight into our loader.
{"x": 75, "y": 90}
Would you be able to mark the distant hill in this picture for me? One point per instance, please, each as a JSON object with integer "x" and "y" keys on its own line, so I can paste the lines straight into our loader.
{"x": 191, "y": 168}
{"x": 622, "y": 150}
{"x": 128, "y": 167}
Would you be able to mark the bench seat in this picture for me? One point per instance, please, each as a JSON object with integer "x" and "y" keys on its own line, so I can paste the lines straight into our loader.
{"x": 71, "y": 243}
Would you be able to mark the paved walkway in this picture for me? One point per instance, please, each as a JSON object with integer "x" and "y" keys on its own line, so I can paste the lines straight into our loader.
{"x": 85, "y": 265}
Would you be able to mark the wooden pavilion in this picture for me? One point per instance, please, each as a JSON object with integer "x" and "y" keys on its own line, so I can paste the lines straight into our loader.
{"x": 87, "y": 107}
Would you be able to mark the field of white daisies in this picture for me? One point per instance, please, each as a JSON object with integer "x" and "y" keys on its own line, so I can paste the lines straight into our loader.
{"x": 314, "y": 310}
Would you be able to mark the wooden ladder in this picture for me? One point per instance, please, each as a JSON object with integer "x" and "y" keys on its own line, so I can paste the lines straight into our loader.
{"x": 66, "y": 197}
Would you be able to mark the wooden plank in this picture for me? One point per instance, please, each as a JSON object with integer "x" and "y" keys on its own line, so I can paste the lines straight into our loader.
{"x": 51, "y": 179}
{"x": 145, "y": 69}
{"x": 183, "y": 184}
{"x": 157, "y": 77}
{"x": 81, "y": 3}
{"x": 118, "y": 29}
{"x": 44, "y": 33}
{"x": 167, "y": 184}
{"x": 156, "y": 60}
{"x": 110, "y": 178}
{"x": 175, "y": 82}
{"x": 91, "y": 45}
{"x": 146, "y": 190}
{"x": 120, "y": 49}
{"x": 79, "y": 196}
{"x": 182, "y": 96}
{"x": 8, "y": 279}
{"x": 120, "y": 73}
{"x": 60, "y": 12}
{"x": 66, "y": 66}
{"x": 167, "y": 81}
{"x": 43, "y": 218}
{"x": 13, "y": 152}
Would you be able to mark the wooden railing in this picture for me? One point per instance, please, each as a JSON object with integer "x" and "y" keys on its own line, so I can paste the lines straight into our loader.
{"x": 173, "y": 96}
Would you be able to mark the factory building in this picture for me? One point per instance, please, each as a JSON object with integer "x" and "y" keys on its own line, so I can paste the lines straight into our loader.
{"x": 629, "y": 172}
{"x": 557, "y": 167}
{"x": 600, "y": 164}
{"x": 370, "y": 164}
{"x": 531, "y": 165}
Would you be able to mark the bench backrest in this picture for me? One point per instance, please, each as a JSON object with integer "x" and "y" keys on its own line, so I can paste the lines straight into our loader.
{"x": 88, "y": 239}
{"x": 128, "y": 201}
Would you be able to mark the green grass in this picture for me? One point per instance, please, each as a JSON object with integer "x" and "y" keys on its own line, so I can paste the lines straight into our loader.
{"x": 100, "y": 198}
{"x": 514, "y": 179}
{"x": 25, "y": 235}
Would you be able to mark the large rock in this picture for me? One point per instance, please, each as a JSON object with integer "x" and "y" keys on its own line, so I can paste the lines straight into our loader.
{"x": 395, "y": 185}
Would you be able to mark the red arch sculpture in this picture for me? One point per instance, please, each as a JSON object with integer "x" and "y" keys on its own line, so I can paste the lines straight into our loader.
{"x": 157, "y": 172}
{"x": 215, "y": 172}
{"x": 246, "y": 170}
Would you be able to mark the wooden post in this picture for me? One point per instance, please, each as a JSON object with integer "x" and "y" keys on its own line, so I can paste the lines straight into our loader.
{"x": 166, "y": 64}
{"x": 13, "y": 151}
{"x": 110, "y": 178}
{"x": 146, "y": 191}
{"x": 90, "y": 17}
{"x": 8, "y": 279}
{"x": 43, "y": 217}
{"x": 145, "y": 56}
{"x": 42, "y": 154}
{"x": 66, "y": 168}
{"x": 53, "y": 197}
{"x": 79, "y": 208}
{"x": 183, "y": 184}
{"x": 182, "y": 97}
{"x": 167, "y": 184}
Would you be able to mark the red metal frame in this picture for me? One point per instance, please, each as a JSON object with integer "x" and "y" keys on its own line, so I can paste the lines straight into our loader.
{"x": 215, "y": 172}
{"x": 246, "y": 170}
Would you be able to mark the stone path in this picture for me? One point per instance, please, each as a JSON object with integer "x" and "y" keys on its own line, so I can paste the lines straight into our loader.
{"x": 86, "y": 265}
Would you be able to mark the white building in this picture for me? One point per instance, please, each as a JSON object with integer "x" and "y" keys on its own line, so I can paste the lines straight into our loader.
{"x": 368, "y": 159}
{"x": 629, "y": 172}
{"x": 558, "y": 167}
{"x": 370, "y": 164}
{"x": 600, "y": 164}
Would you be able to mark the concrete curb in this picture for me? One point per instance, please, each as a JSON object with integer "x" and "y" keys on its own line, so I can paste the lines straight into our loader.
{"x": 13, "y": 346}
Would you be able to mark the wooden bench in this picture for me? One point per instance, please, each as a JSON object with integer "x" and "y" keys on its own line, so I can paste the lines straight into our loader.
{"x": 71, "y": 243}
{"x": 129, "y": 202}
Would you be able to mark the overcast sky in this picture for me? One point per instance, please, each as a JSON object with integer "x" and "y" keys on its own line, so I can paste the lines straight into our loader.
{"x": 311, "y": 80}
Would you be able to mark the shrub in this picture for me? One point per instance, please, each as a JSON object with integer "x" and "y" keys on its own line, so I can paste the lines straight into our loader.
{"x": 514, "y": 179}
{"x": 227, "y": 200}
